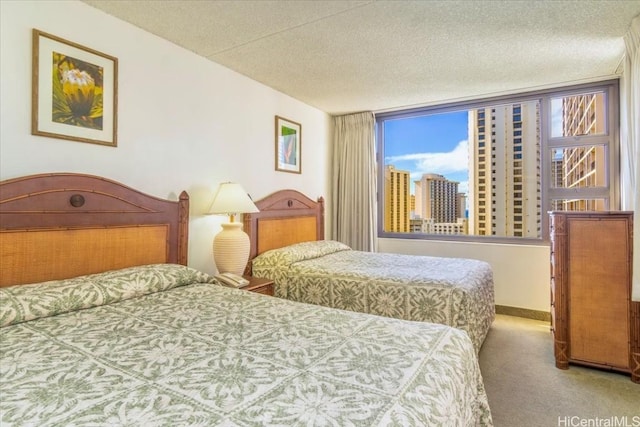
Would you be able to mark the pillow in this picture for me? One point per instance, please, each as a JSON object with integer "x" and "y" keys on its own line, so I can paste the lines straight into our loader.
{"x": 22, "y": 303}
{"x": 300, "y": 252}
{"x": 274, "y": 264}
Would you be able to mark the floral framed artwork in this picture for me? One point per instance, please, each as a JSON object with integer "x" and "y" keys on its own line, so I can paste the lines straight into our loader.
{"x": 74, "y": 91}
{"x": 288, "y": 145}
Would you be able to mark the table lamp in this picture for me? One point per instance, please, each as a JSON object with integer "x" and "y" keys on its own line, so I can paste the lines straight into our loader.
{"x": 231, "y": 245}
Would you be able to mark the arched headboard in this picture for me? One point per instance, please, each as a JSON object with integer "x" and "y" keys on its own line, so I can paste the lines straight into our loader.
{"x": 61, "y": 225}
{"x": 286, "y": 217}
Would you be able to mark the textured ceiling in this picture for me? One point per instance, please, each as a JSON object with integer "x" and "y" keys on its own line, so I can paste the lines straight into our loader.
{"x": 346, "y": 56}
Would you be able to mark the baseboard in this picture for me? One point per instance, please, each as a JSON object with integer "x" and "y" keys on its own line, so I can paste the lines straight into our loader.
{"x": 523, "y": 312}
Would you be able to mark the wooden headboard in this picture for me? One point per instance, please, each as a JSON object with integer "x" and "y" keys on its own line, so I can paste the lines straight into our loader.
{"x": 286, "y": 217}
{"x": 56, "y": 226}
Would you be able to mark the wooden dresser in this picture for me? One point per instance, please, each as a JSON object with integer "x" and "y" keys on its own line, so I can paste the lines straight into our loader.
{"x": 593, "y": 320}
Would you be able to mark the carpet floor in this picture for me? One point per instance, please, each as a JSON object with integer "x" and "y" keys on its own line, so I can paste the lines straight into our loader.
{"x": 525, "y": 389}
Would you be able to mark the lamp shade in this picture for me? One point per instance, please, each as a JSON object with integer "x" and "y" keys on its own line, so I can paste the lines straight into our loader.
{"x": 231, "y": 199}
{"x": 231, "y": 245}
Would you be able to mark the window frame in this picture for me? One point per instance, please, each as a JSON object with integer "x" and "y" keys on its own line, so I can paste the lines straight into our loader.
{"x": 610, "y": 139}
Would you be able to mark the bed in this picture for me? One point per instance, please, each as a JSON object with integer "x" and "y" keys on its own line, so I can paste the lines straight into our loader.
{"x": 151, "y": 341}
{"x": 288, "y": 247}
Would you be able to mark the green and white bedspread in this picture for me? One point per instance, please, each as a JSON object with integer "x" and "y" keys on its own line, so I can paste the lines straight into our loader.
{"x": 451, "y": 291}
{"x": 159, "y": 346}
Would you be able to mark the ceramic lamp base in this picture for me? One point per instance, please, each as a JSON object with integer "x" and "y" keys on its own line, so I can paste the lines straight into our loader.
{"x": 231, "y": 249}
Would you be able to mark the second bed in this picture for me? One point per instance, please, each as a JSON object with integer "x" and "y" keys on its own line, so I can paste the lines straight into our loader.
{"x": 287, "y": 247}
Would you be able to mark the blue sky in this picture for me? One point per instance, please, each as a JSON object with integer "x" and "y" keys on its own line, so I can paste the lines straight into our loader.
{"x": 430, "y": 144}
{"x": 438, "y": 143}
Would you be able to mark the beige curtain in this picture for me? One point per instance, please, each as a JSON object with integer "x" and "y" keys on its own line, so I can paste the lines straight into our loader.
{"x": 354, "y": 181}
{"x": 630, "y": 141}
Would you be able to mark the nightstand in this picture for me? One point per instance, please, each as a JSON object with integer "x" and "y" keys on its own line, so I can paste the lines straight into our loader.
{"x": 258, "y": 285}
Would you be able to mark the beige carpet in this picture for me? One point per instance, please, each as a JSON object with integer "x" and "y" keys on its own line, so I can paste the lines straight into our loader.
{"x": 526, "y": 389}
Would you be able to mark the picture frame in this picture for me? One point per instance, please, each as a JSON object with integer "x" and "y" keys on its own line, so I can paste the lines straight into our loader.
{"x": 288, "y": 145}
{"x": 74, "y": 91}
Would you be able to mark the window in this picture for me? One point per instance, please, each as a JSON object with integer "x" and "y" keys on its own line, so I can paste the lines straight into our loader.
{"x": 550, "y": 150}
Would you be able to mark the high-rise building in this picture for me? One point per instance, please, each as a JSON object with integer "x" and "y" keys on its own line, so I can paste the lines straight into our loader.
{"x": 583, "y": 166}
{"x": 436, "y": 198}
{"x": 461, "y": 206}
{"x": 412, "y": 206}
{"x": 504, "y": 171}
{"x": 397, "y": 202}
{"x": 429, "y": 226}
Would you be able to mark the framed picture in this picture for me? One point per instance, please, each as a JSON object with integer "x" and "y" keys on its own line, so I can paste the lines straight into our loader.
{"x": 288, "y": 145}
{"x": 74, "y": 91}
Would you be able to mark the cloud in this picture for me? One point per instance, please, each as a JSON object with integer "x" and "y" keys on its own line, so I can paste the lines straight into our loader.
{"x": 456, "y": 160}
{"x": 463, "y": 187}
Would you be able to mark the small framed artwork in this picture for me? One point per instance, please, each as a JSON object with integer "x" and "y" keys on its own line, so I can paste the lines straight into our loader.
{"x": 288, "y": 145}
{"x": 74, "y": 91}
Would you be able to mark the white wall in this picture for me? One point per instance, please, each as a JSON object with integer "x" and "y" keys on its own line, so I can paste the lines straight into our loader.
{"x": 184, "y": 123}
{"x": 521, "y": 273}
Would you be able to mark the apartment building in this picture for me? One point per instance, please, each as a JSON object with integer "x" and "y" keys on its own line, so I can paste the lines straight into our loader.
{"x": 504, "y": 171}
{"x": 397, "y": 201}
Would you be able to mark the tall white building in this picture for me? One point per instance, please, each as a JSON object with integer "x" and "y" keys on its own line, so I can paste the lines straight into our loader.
{"x": 504, "y": 171}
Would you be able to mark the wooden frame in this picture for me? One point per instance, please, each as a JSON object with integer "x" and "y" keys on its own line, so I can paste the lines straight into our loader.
{"x": 288, "y": 145}
{"x": 286, "y": 217}
{"x": 74, "y": 91}
{"x": 57, "y": 226}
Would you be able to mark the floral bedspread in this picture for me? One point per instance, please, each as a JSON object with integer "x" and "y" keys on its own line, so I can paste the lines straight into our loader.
{"x": 171, "y": 347}
{"x": 456, "y": 292}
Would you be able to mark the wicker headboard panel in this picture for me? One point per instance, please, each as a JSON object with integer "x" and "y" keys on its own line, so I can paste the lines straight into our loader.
{"x": 286, "y": 217}
{"x": 56, "y": 226}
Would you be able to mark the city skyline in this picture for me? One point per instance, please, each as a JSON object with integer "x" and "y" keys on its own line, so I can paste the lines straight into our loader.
{"x": 493, "y": 143}
{"x": 447, "y": 135}
{"x": 488, "y": 160}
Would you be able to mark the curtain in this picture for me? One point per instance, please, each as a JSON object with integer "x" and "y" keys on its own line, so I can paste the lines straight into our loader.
{"x": 354, "y": 181}
{"x": 630, "y": 141}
